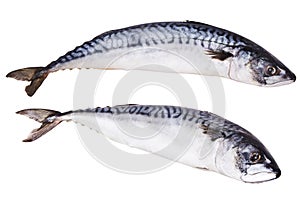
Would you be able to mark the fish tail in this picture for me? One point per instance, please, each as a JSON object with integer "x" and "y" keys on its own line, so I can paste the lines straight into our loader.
{"x": 48, "y": 118}
{"x": 34, "y": 74}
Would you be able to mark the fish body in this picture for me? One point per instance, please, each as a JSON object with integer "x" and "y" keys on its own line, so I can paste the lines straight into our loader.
{"x": 181, "y": 47}
{"x": 196, "y": 138}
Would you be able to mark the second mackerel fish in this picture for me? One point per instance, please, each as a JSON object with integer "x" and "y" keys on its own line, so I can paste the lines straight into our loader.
{"x": 196, "y": 138}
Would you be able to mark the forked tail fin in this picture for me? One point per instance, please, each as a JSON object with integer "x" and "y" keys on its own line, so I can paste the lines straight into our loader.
{"x": 34, "y": 74}
{"x": 48, "y": 118}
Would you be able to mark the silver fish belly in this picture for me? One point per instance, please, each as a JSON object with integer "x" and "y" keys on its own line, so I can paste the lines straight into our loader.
{"x": 197, "y": 138}
{"x": 183, "y": 47}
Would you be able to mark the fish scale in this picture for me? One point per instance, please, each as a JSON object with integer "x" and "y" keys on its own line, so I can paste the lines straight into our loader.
{"x": 157, "y": 32}
{"x": 190, "y": 116}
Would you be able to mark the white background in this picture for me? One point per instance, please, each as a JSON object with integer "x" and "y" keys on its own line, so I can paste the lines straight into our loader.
{"x": 33, "y": 33}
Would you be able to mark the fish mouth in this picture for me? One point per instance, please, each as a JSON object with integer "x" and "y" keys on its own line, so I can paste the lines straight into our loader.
{"x": 280, "y": 83}
{"x": 260, "y": 177}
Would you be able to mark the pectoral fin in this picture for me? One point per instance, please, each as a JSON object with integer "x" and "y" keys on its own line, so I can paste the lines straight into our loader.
{"x": 219, "y": 54}
{"x": 213, "y": 131}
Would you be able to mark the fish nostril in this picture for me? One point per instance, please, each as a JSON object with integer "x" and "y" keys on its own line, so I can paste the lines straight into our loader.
{"x": 278, "y": 173}
{"x": 292, "y": 76}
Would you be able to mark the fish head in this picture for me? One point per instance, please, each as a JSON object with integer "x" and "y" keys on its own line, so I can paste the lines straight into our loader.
{"x": 255, "y": 163}
{"x": 255, "y": 65}
{"x": 245, "y": 158}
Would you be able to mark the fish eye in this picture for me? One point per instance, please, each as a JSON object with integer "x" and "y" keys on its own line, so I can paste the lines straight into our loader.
{"x": 271, "y": 70}
{"x": 255, "y": 157}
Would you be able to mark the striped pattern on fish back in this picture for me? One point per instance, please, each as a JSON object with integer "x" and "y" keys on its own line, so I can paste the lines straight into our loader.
{"x": 203, "y": 119}
{"x": 152, "y": 34}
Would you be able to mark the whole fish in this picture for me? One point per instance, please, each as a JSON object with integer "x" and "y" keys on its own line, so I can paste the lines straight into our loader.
{"x": 205, "y": 50}
{"x": 200, "y": 139}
